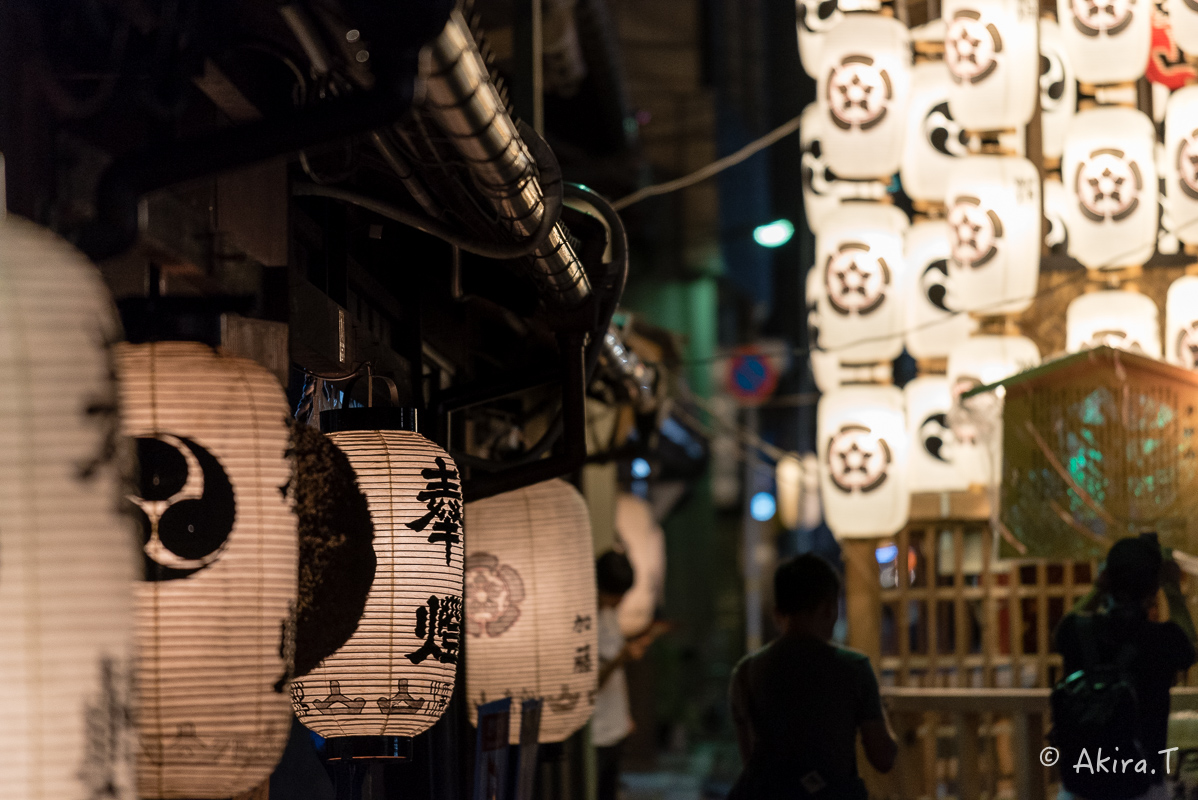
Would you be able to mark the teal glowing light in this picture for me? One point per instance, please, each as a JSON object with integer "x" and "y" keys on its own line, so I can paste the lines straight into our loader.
{"x": 762, "y": 506}
{"x": 774, "y": 234}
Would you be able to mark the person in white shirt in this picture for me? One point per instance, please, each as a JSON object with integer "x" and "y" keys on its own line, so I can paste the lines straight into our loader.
{"x": 612, "y": 721}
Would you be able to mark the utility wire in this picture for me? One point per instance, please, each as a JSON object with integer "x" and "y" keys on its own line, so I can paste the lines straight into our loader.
{"x": 714, "y": 168}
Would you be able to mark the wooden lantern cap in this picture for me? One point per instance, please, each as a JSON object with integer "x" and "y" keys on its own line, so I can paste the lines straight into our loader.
{"x": 997, "y": 324}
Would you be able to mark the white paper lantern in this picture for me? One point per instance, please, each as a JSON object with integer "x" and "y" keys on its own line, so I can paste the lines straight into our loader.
{"x": 815, "y": 18}
{"x": 1106, "y": 42}
{"x": 1183, "y": 18}
{"x": 645, "y": 546}
{"x": 1181, "y": 162}
{"x": 933, "y": 324}
{"x": 859, "y": 257}
{"x": 990, "y": 51}
{"x": 1181, "y": 322}
{"x": 981, "y": 361}
{"x": 934, "y": 139}
{"x": 395, "y": 675}
{"x": 1056, "y": 210}
{"x": 863, "y": 88}
{"x": 1109, "y": 167}
{"x": 1058, "y": 90}
{"x": 66, "y": 554}
{"x": 863, "y": 459}
{"x": 216, "y": 608}
{"x": 994, "y": 233}
{"x": 531, "y": 606}
{"x": 1119, "y": 319}
{"x": 823, "y": 190}
{"x": 940, "y": 460}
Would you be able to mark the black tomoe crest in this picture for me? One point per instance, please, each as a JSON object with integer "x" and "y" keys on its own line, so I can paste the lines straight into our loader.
{"x": 186, "y": 504}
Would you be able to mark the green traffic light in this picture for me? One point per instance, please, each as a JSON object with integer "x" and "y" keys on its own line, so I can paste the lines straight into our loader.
{"x": 774, "y": 234}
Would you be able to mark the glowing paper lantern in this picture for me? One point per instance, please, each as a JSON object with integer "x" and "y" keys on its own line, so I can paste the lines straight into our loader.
{"x": 1181, "y": 322}
{"x": 395, "y": 675}
{"x": 1106, "y": 42}
{"x": 1123, "y": 320}
{"x": 1183, "y": 19}
{"x": 863, "y": 88}
{"x": 531, "y": 605}
{"x": 934, "y": 140}
{"x": 1181, "y": 163}
{"x": 933, "y": 326}
{"x": 1056, "y": 209}
{"x": 1058, "y": 90}
{"x": 815, "y": 18}
{"x": 940, "y": 461}
{"x": 216, "y": 606}
{"x": 863, "y": 460}
{"x": 1109, "y": 167}
{"x": 66, "y": 554}
{"x": 990, "y": 51}
{"x": 981, "y": 361}
{"x": 645, "y": 545}
{"x": 994, "y": 233}
{"x": 859, "y": 257}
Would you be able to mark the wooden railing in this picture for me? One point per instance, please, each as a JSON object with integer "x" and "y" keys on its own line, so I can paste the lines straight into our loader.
{"x": 998, "y": 734}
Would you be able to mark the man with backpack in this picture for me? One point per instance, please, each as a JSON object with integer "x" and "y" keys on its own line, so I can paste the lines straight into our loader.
{"x": 1119, "y": 665}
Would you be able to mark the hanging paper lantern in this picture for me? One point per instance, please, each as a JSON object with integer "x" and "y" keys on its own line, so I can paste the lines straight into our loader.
{"x": 1183, "y": 21}
{"x": 859, "y": 257}
{"x": 395, "y": 675}
{"x": 994, "y": 233}
{"x": 820, "y": 195}
{"x": 990, "y": 51}
{"x": 788, "y": 487}
{"x": 815, "y": 18}
{"x": 933, "y": 324}
{"x": 1181, "y": 322}
{"x": 934, "y": 140}
{"x": 1056, "y": 208}
{"x": 1106, "y": 42}
{"x": 215, "y": 608}
{"x": 1181, "y": 163}
{"x": 530, "y": 606}
{"x": 863, "y": 459}
{"x": 645, "y": 545}
{"x": 1109, "y": 167}
{"x": 66, "y": 554}
{"x": 863, "y": 88}
{"x": 1058, "y": 90}
{"x": 940, "y": 461}
{"x": 981, "y": 361}
{"x": 1167, "y": 65}
{"x": 1123, "y": 320}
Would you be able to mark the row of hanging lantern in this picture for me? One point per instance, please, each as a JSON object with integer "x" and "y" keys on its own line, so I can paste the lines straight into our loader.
{"x": 952, "y": 124}
{"x": 167, "y": 673}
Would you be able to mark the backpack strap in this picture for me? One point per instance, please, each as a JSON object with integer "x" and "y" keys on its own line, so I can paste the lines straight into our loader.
{"x": 1087, "y": 631}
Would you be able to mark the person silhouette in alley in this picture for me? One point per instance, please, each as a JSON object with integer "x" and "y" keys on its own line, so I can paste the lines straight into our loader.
{"x": 799, "y": 702}
{"x": 1113, "y": 648}
{"x": 612, "y": 720}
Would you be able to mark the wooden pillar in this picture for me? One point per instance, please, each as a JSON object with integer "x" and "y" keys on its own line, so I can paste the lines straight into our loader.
{"x": 969, "y": 756}
{"x": 863, "y": 597}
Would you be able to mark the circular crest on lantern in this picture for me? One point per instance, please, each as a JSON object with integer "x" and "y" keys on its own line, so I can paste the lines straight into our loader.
{"x": 971, "y": 46}
{"x": 496, "y": 592}
{"x": 1096, "y": 17}
{"x": 1108, "y": 185}
{"x": 856, "y": 279}
{"x": 859, "y": 92}
{"x": 858, "y": 459}
{"x": 974, "y": 232}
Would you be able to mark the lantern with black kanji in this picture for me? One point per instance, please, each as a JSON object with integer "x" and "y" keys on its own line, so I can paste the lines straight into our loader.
{"x": 66, "y": 554}
{"x": 216, "y": 603}
{"x": 394, "y": 677}
{"x": 531, "y": 606}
